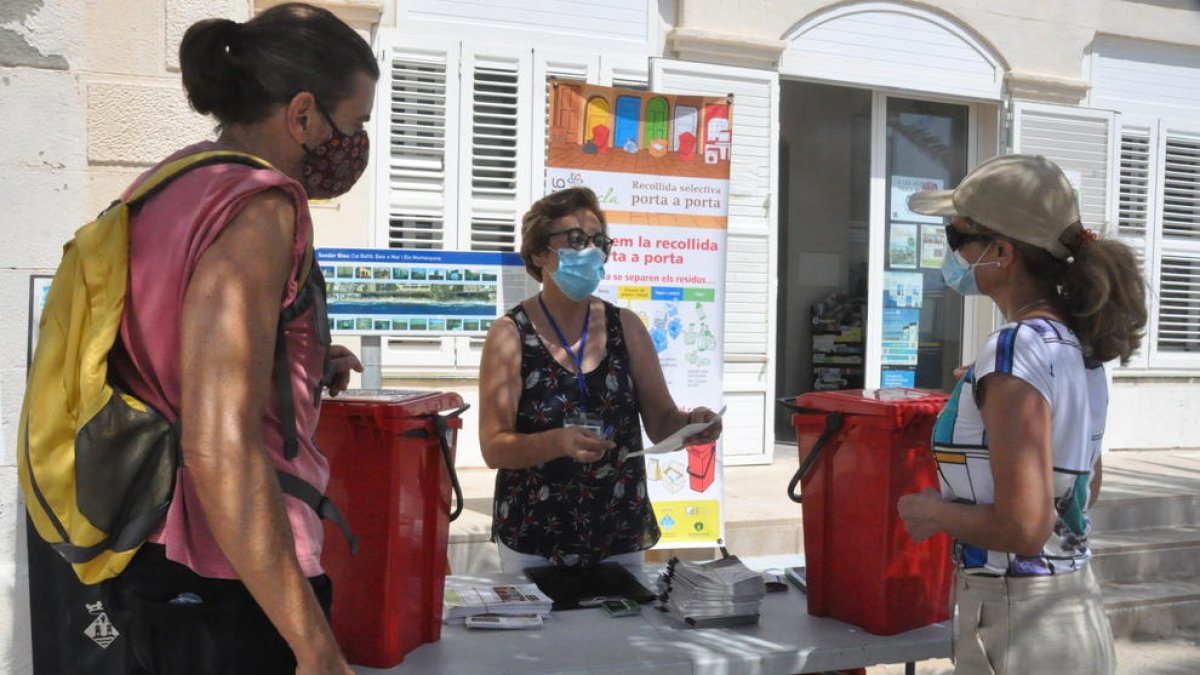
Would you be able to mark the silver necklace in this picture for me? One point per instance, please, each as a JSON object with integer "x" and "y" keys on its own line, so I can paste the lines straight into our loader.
{"x": 1016, "y": 315}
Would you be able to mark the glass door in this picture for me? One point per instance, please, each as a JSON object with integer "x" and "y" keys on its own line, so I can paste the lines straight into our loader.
{"x": 919, "y": 320}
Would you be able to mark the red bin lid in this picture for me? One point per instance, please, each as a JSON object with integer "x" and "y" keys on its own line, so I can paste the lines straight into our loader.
{"x": 391, "y": 402}
{"x": 901, "y": 404}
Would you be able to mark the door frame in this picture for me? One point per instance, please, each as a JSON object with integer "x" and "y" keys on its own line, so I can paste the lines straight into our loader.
{"x": 877, "y": 227}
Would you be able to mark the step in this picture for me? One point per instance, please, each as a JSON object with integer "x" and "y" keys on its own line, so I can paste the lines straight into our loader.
{"x": 1141, "y": 489}
{"x": 1126, "y": 511}
{"x": 1154, "y": 609}
{"x": 1150, "y": 554}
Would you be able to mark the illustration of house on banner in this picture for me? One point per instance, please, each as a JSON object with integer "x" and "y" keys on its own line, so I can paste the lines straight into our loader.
{"x": 597, "y": 121}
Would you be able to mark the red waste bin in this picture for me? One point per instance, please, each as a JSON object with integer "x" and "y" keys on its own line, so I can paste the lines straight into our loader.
{"x": 391, "y": 461}
{"x": 871, "y": 448}
{"x": 702, "y": 464}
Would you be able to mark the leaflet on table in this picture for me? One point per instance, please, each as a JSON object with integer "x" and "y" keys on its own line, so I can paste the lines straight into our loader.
{"x": 674, "y": 442}
{"x": 460, "y": 602}
{"x": 504, "y": 621}
{"x": 723, "y": 589}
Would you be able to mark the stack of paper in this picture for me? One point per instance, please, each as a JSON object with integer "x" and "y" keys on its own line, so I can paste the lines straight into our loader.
{"x": 720, "y": 593}
{"x": 518, "y": 599}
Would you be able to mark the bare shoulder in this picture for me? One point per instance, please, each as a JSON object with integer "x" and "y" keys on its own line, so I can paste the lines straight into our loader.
{"x": 631, "y": 323}
{"x": 503, "y": 338}
{"x": 268, "y": 217}
{"x": 628, "y": 318}
{"x": 272, "y": 204}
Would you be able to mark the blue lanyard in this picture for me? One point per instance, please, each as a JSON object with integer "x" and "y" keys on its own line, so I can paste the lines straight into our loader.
{"x": 577, "y": 358}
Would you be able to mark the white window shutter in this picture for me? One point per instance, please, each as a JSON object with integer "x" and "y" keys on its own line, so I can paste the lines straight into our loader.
{"x": 1135, "y": 185}
{"x": 496, "y": 146}
{"x": 494, "y": 157}
{"x": 625, "y": 71}
{"x": 1079, "y": 140}
{"x": 751, "y": 267}
{"x": 417, "y": 136}
{"x": 1177, "y": 314}
{"x": 1136, "y": 199}
{"x": 420, "y": 135}
{"x": 1181, "y": 186}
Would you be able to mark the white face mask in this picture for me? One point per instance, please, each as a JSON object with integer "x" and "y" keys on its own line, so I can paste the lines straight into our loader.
{"x": 579, "y": 273}
{"x": 960, "y": 275}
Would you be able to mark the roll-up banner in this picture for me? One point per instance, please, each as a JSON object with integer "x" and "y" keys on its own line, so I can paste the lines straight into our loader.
{"x": 660, "y": 166}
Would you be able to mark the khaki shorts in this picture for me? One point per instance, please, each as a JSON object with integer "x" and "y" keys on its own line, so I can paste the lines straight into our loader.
{"x": 1031, "y": 625}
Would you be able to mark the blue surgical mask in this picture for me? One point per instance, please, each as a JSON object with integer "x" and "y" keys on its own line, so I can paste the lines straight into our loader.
{"x": 960, "y": 275}
{"x": 579, "y": 272}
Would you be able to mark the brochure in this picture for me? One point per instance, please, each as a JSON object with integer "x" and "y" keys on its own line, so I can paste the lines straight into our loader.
{"x": 459, "y": 602}
{"x": 504, "y": 621}
{"x": 674, "y": 442}
{"x": 719, "y": 593}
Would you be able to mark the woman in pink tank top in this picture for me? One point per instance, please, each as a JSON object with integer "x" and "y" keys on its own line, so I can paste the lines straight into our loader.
{"x": 232, "y": 581}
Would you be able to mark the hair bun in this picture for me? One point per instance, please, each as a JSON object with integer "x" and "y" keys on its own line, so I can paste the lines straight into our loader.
{"x": 240, "y": 72}
{"x": 229, "y": 32}
{"x": 209, "y": 69}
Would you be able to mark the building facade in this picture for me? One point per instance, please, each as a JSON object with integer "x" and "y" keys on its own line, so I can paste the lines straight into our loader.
{"x": 840, "y": 108}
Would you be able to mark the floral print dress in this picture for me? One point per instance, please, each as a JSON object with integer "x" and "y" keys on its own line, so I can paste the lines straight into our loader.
{"x": 569, "y": 512}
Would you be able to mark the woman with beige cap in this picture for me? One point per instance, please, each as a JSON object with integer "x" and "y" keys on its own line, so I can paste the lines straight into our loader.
{"x": 1018, "y": 443}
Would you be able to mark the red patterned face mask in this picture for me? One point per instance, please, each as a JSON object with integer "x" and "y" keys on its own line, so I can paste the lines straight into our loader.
{"x": 332, "y": 168}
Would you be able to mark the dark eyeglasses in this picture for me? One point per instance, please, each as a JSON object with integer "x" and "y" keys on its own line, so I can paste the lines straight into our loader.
{"x": 956, "y": 239}
{"x": 578, "y": 239}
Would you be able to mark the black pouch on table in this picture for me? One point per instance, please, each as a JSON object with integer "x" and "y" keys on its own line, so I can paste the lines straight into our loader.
{"x": 569, "y": 586}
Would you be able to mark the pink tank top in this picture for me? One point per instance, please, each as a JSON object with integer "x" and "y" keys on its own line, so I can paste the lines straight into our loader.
{"x": 169, "y": 235}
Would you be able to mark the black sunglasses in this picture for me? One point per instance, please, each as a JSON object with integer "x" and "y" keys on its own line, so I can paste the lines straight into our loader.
{"x": 956, "y": 239}
{"x": 578, "y": 239}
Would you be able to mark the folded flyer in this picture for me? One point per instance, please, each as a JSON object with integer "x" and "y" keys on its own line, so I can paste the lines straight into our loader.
{"x": 674, "y": 442}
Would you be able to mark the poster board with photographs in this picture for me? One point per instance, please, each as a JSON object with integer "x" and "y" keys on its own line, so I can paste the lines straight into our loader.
{"x": 401, "y": 292}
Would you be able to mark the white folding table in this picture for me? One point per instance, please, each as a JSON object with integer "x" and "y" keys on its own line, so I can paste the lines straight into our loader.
{"x": 785, "y": 641}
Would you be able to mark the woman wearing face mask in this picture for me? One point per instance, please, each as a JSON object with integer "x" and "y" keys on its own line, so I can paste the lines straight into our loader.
{"x": 565, "y": 384}
{"x": 232, "y": 580}
{"x": 1018, "y": 444}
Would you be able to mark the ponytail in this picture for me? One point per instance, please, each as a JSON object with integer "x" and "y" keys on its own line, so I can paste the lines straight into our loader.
{"x": 208, "y": 59}
{"x": 1105, "y": 297}
{"x": 1099, "y": 287}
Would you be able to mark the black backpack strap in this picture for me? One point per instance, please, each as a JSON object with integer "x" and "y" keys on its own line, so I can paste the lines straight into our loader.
{"x": 281, "y": 374}
{"x": 130, "y": 536}
{"x": 301, "y": 489}
{"x": 310, "y": 292}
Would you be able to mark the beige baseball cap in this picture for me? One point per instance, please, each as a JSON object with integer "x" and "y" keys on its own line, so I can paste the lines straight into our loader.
{"x": 1024, "y": 197}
